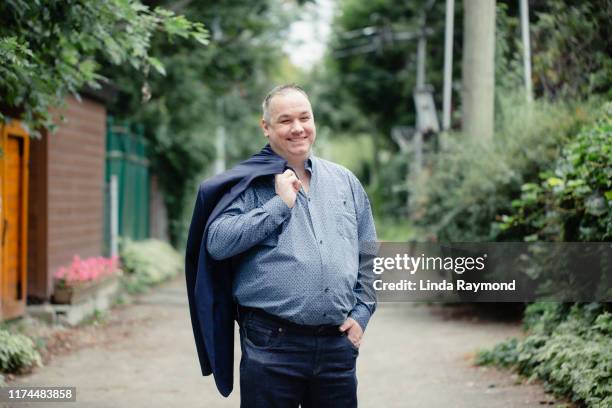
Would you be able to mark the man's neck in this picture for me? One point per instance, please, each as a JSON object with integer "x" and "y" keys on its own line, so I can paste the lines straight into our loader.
{"x": 299, "y": 166}
{"x": 296, "y": 163}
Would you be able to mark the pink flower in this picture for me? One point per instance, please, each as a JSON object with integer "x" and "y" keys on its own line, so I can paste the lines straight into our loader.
{"x": 84, "y": 270}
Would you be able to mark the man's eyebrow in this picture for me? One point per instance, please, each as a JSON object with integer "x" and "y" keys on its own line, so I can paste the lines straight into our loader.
{"x": 284, "y": 115}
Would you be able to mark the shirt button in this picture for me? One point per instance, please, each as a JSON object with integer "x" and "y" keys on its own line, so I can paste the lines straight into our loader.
{"x": 321, "y": 242}
{"x": 324, "y": 314}
{"x": 326, "y": 290}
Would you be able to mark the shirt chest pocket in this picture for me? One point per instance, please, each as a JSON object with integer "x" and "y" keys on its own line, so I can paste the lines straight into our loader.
{"x": 345, "y": 218}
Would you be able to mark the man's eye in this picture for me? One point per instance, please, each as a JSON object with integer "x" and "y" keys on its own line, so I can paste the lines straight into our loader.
{"x": 285, "y": 122}
{"x": 305, "y": 118}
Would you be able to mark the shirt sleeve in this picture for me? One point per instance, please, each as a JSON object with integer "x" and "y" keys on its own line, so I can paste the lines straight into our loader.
{"x": 243, "y": 225}
{"x": 368, "y": 249}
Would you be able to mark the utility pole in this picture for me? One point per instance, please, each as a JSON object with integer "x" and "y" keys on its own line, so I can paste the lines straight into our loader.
{"x": 417, "y": 142}
{"x": 219, "y": 165}
{"x": 220, "y": 139}
{"x": 448, "y": 64}
{"x": 421, "y": 56}
{"x": 526, "y": 49}
{"x": 479, "y": 69}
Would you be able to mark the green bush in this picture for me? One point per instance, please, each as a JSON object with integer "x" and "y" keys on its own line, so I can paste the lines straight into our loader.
{"x": 544, "y": 317}
{"x": 470, "y": 183}
{"x": 17, "y": 352}
{"x": 573, "y": 201}
{"x": 568, "y": 347}
{"x": 147, "y": 263}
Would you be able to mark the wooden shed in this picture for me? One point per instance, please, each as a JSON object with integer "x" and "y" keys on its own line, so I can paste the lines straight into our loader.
{"x": 54, "y": 199}
{"x": 66, "y": 210}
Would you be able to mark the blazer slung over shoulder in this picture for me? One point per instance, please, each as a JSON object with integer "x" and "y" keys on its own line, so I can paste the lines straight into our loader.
{"x": 209, "y": 282}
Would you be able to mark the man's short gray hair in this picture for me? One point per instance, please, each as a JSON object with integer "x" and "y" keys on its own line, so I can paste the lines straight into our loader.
{"x": 279, "y": 90}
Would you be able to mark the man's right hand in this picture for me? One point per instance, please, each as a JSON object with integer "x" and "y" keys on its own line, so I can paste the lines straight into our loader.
{"x": 287, "y": 186}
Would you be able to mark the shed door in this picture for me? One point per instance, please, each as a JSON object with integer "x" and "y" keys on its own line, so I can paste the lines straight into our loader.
{"x": 13, "y": 226}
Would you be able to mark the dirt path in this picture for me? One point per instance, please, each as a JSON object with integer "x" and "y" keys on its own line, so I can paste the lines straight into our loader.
{"x": 411, "y": 357}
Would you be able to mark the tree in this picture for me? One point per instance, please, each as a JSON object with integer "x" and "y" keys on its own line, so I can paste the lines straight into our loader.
{"x": 572, "y": 48}
{"x": 381, "y": 81}
{"x": 51, "y": 48}
{"x": 204, "y": 88}
{"x": 370, "y": 76}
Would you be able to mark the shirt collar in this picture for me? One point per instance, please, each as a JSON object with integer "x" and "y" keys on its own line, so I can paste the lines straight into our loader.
{"x": 308, "y": 164}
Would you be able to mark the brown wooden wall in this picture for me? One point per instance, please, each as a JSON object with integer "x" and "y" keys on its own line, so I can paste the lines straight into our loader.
{"x": 67, "y": 210}
{"x": 37, "y": 219}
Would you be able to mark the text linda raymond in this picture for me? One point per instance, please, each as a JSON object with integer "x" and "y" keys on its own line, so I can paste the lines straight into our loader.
{"x": 459, "y": 285}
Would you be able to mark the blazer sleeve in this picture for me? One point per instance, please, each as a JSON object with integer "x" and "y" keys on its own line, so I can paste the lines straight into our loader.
{"x": 192, "y": 255}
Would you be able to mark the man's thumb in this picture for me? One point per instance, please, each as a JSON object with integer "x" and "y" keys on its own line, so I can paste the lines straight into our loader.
{"x": 345, "y": 326}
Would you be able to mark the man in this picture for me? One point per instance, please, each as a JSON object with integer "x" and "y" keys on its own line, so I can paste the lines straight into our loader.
{"x": 296, "y": 242}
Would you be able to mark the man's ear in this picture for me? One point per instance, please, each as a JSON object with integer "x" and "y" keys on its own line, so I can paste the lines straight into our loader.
{"x": 264, "y": 127}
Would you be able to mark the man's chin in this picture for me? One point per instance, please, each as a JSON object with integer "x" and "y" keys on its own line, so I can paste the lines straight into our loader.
{"x": 299, "y": 151}
{"x": 293, "y": 152}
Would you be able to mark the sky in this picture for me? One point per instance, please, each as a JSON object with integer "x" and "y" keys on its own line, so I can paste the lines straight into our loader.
{"x": 307, "y": 38}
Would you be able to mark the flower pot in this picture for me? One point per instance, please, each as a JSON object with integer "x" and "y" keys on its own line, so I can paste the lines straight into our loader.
{"x": 82, "y": 291}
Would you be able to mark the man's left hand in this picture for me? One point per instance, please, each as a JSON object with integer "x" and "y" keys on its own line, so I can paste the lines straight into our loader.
{"x": 353, "y": 331}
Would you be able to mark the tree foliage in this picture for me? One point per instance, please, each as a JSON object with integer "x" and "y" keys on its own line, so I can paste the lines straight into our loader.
{"x": 382, "y": 80}
{"x": 571, "y": 61}
{"x": 205, "y": 89}
{"x": 50, "y": 48}
{"x": 572, "y": 48}
{"x": 570, "y": 51}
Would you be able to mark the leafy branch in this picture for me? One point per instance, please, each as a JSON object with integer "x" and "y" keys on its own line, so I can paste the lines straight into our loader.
{"x": 52, "y": 48}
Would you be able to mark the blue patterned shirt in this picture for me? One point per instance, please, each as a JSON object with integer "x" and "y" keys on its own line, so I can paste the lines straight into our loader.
{"x": 302, "y": 263}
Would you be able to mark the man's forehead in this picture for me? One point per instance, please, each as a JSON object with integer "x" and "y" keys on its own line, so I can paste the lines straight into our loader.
{"x": 290, "y": 101}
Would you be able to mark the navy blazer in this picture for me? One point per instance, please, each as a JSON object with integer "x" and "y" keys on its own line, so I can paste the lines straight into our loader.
{"x": 209, "y": 282}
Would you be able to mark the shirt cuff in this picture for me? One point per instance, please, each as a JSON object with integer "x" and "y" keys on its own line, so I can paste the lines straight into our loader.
{"x": 277, "y": 209}
{"x": 361, "y": 314}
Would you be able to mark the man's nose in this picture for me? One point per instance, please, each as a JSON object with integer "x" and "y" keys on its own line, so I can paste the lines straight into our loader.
{"x": 297, "y": 127}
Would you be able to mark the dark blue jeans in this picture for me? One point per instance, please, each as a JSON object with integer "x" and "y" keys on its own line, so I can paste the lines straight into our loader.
{"x": 282, "y": 368}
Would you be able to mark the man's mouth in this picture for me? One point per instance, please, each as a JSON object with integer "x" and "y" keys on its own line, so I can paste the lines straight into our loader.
{"x": 297, "y": 139}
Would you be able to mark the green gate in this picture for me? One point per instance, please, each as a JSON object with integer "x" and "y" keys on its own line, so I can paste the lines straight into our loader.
{"x": 127, "y": 159}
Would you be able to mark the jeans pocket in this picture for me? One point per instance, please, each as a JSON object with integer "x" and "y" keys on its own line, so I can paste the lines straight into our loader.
{"x": 351, "y": 344}
{"x": 256, "y": 335}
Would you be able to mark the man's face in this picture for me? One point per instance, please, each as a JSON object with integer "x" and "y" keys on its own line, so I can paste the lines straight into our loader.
{"x": 291, "y": 130}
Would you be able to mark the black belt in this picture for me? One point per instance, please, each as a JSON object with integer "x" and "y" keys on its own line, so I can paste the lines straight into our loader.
{"x": 286, "y": 325}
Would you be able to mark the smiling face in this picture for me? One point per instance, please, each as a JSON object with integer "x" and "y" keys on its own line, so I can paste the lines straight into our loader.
{"x": 290, "y": 127}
